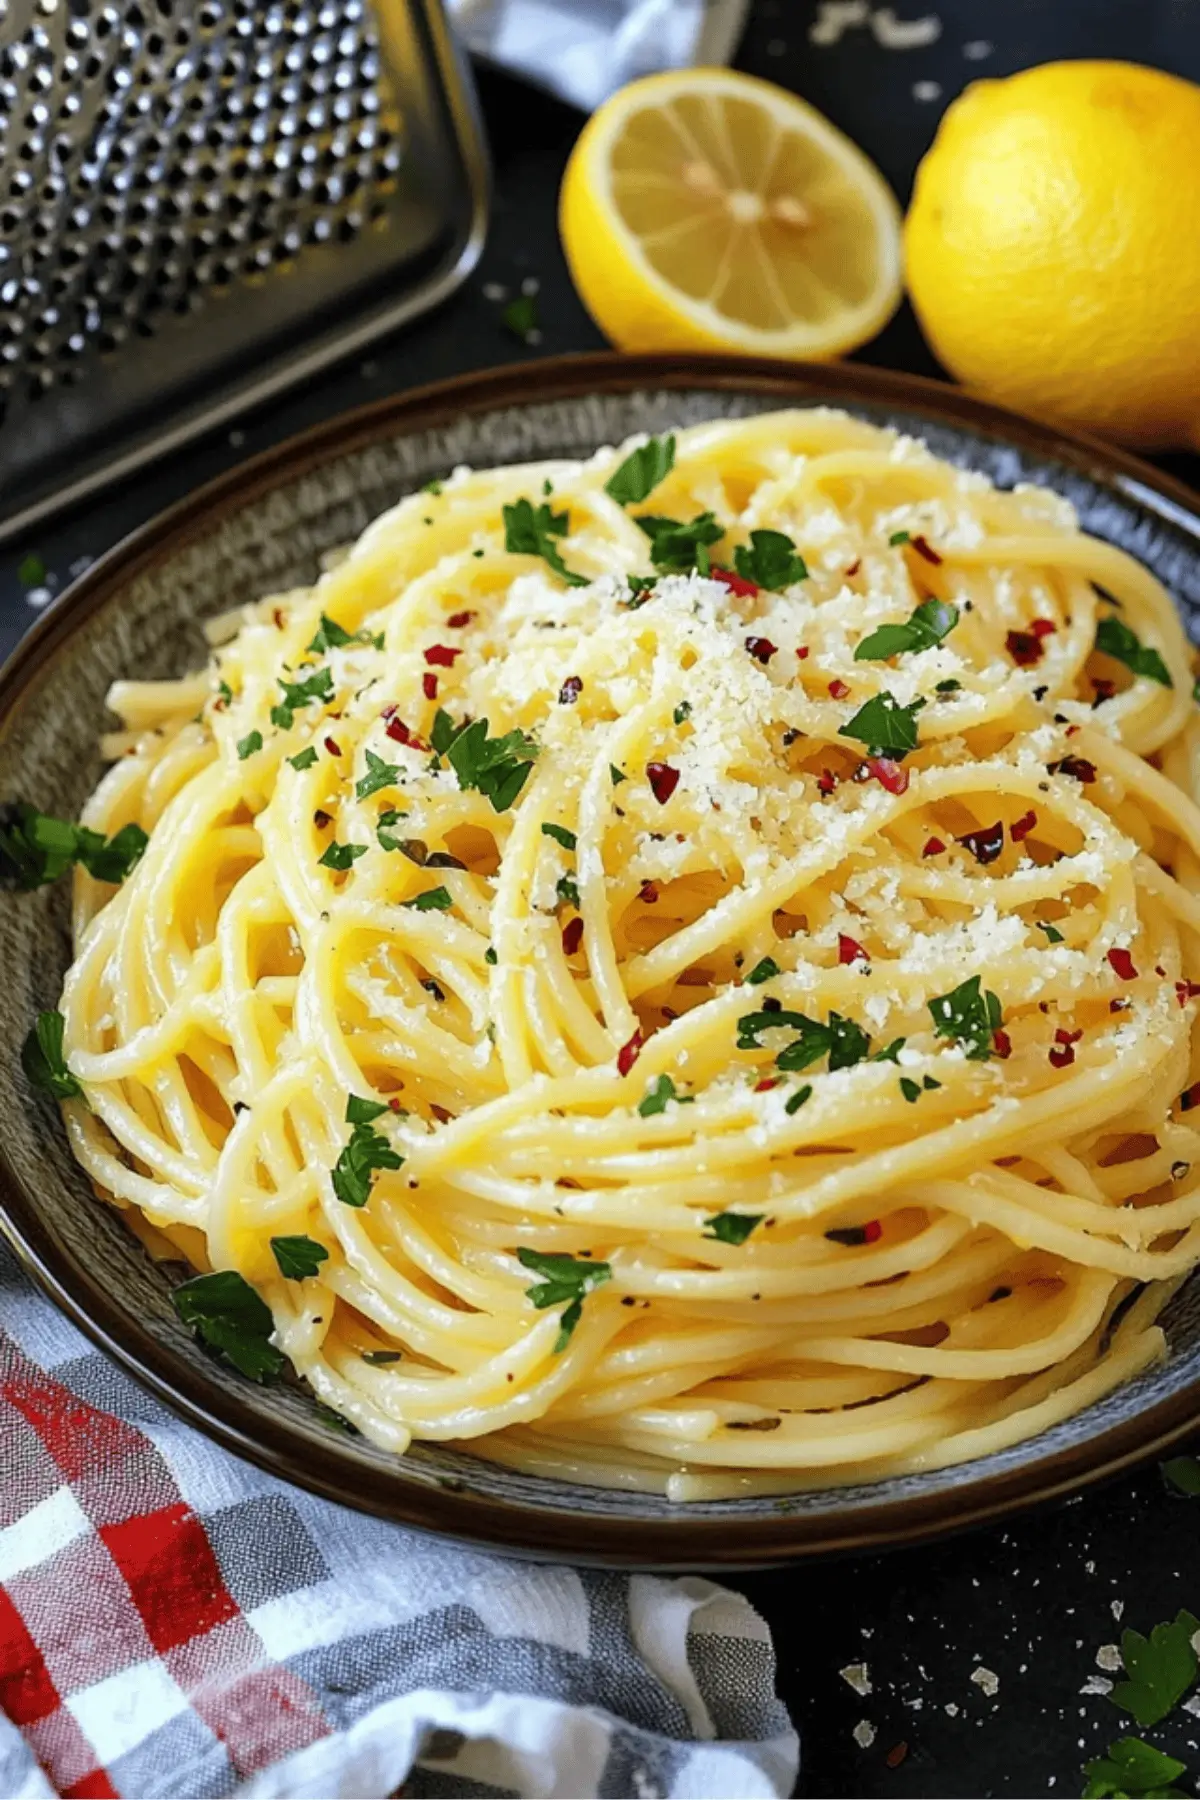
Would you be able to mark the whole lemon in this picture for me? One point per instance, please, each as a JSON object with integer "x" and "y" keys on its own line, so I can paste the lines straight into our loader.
{"x": 1053, "y": 247}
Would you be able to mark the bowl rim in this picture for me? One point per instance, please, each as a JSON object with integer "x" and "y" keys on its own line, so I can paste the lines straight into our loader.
{"x": 682, "y": 1541}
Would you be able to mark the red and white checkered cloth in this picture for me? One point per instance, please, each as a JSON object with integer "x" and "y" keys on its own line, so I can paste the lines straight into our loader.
{"x": 173, "y": 1622}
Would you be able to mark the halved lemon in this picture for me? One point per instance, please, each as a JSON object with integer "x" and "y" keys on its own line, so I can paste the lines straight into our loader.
{"x": 706, "y": 210}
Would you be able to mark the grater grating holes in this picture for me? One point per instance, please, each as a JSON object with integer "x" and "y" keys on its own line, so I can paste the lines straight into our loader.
{"x": 152, "y": 158}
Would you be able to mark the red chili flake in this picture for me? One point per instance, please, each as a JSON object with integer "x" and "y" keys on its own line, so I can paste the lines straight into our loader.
{"x": 1002, "y": 1044}
{"x": 933, "y": 847}
{"x": 394, "y": 1104}
{"x": 855, "y": 566}
{"x": 1122, "y": 962}
{"x": 429, "y": 685}
{"x": 1062, "y": 1054}
{"x": 1105, "y": 689}
{"x": 826, "y": 781}
{"x": 761, "y": 648}
{"x": 1186, "y": 990}
{"x": 456, "y": 621}
{"x": 1119, "y": 1006}
{"x": 853, "y": 1235}
{"x": 889, "y": 774}
{"x": 737, "y": 584}
{"x": 1072, "y": 730}
{"x": 441, "y": 656}
{"x": 399, "y": 733}
{"x": 985, "y": 844}
{"x": 333, "y": 747}
{"x": 663, "y": 780}
{"x": 838, "y": 689}
{"x": 628, "y": 1054}
{"x": 769, "y": 1081}
{"x": 872, "y": 1231}
{"x": 896, "y": 1755}
{"x": 1024, "y": 648}
{"x": 1078, "y": 766}
{"x": 572, "y": 936}
{"x": 648, "y": 893}
{"x": 1159, "y": 970}
{"x": 440, "y": 1113}
{"x": 1042, "y": 627}
{"x": 570, "y": 690}
{"x": 1190, "y": 1097}
{"x": 1021, "y": 828}
{"x": 850, "y": 950}
{"x": 322, "y": 819}
{"x": 924, "y": 548}
{"x": 801, "y": 652}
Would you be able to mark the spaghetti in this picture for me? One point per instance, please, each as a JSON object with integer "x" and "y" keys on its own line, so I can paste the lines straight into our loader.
{"x": 676, "y": 970}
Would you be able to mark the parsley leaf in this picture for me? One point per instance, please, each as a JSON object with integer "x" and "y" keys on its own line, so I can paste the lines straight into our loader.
{"x": 641, "y": 471}
{"x": 232, "y": 1318}
{"x": 683, "y": 712}
{"x": 249, "y": 744}
{"x": 340, "y": 856}
{"x": 1115, "y": 639}
{"x": 304, "y": 759}
{"x": 677, "y": 546}
{"x": 640, "y": 589}
{"x": 566, "y": 1278}
{"x": 910, "y": 1089}
{"x": 1053, "y": 934}
{"x": 31, "y": 570}
{"x": 317, "y": 686}
{"x": 900, "y": 537}
{"x": 968, "y": 1016}
{"x": 366, "y": 1152}
{"x": 615, "y": 775}
{"x": 298, "y": 1257}
{"x": 1131, "y": 1768}
{"x": 661, "y": 1089}
{"x": 332, "y": 636}
{"x": 498, "y": 767}
{"x": 530, "y": 530}
{"x": 560, "y": 834}
{"x": 932, "y": 621}
{"x": 35, "y": 848}
{"x": 43, "y": 1061}
{"x": 378, "y": 1358}
{"x": 567, "y": 890}
{"x": 844, "y": 1042}
{"x": 884, "y": 726}
{"x": 433, "y": 900}
{"x": 732, "y": 1227}
{"x": 797, "y": 1100}
{"x": 766, "y": 970}
{"x": 386, "y": 840}
{"x": 379, "y": 774}
{"x": 520, "y": 316}
{"x": 1161, "y": 1669}
{"x": 1182, "y": 1475}
{"x": 771, "y": 561}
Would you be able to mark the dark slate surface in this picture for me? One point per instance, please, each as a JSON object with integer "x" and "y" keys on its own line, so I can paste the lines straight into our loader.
{"x": 1031, "y": 1604}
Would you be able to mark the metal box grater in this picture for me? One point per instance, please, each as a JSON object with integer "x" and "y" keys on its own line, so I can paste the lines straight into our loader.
{"x": 204, "y": 201}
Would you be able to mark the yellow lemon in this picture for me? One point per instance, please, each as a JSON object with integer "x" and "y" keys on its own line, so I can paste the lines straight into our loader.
{"x": 1053, "y": 247}
{"x": 706, "y": 210}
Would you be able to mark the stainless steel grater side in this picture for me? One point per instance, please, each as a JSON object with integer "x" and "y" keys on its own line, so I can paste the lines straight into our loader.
{"x": 205, "y": 201}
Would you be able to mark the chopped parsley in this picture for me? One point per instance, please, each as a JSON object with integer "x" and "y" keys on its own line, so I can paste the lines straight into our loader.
{"x": 1182, "y": 1475}
{"x": 798, "y": 1099}
{"x": 910, "y": 1089}
{"x": 36, "y": 848}
{"x": 567, "y": 890}
{"x": 317, "y": 686}
{"x": 969, "y": 1016}
{"x": 432, "y": 487}
{"x": 498, "y": 767}
{"x": 884, "y": 726}
{"x": 641, "y": 472}
{"x": 233, "y": 1319}
{"x": 1131, "y": 1769}
{"x": 304, "y": 759}
{"x": 732, "y": 1227}
{"x": 341, "y": 856}
{"x": 379, "y": 774}
{"x": 1053, "y": 934}
{"x": 678, "y": 546}
{"x": 766, "y": 970}
{"x": 1161, "y": 1669}
{"x": 615, "y": 775}
{"x": 655, "y": 1099}
{"x": 249, "y": 744}
{"x": 560, "y": 834}
{"x": 366, "y": 1152}
{"x": 1115, "y": 639}
{"x": 683, "y": 712}
{"x": 490, "y": 957}
{"x": 531, "y": 530}
{"x": 298, "y": 1257}
{"x": 332, "y": 636}
{"x": 433, "y": 900}
{"x": 520, "y": 317}
{"x": 844, "y": 1042}
{"x": 31, "y": 570}
{"x": 380, "y": 1358}
{"x": 891, "y": 1052}
{"x": 640, "y": 589}
{"x": 770, "y": 560}
{"x": 900, "y": 537}
{"x": 386, "y": 840}
{"x": 925, "y": 628}
{"x": 43, "y": 1061}
{"x": 224, "y": 693}
{"x": 566, "y": 1278}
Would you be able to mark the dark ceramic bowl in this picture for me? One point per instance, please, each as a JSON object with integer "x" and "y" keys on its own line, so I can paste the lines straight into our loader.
{"x": 263, "y": 527}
